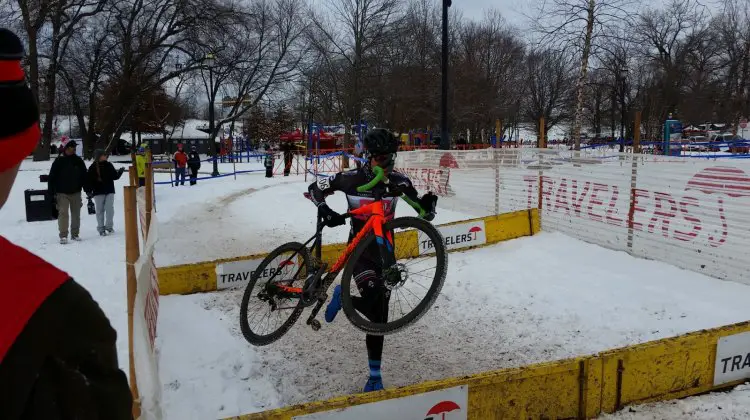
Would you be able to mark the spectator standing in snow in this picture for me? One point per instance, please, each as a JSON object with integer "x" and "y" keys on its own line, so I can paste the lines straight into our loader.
{"x": 287, "y": 147}
{"x": 194, "y": 163}
{"x": 102, "y": 176}
{"x": 58, "y": 358}
{"x": 140, "y": 165}
{"x": 180, "y": 159}
{"x": 67, "y": 177}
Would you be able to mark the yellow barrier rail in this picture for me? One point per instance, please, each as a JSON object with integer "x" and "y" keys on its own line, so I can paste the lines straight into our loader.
{"x": 201, "y": 277}
{"x": 579, "y": 388}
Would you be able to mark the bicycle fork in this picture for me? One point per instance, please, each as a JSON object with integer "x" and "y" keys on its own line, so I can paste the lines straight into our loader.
{"x": 322, "y": 298}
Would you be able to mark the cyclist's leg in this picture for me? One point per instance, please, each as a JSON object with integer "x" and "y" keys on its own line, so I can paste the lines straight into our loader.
{"x": 373, "y": 304}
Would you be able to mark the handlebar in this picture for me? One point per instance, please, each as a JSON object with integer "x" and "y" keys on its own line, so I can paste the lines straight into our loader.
{"x": 379, "y": 176}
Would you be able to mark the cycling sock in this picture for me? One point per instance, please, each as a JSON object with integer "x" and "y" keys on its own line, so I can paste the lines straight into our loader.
{"x": 374, "y": 368}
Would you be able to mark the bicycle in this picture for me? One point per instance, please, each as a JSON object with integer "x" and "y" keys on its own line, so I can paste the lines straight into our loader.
{"x": 311, "y": 278}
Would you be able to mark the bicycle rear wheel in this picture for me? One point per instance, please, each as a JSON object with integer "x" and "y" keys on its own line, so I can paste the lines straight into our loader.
{"x": 271, "y": 303}
{"x": 410, "y": 286}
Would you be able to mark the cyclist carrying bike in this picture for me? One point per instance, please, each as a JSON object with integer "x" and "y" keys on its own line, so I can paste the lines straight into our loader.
{"x": 380, "y": 147}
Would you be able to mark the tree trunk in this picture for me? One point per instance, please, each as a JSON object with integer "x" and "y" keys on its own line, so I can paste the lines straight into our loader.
{"x": 42, "y": 151}
{"x": 581, "y": 84}
{"x": 33, "y": 59}
{"x": 89, "y": 139}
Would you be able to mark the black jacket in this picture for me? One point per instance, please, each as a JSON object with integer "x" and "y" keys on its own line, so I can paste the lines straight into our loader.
{"x": 63, "y": 362}
{"x": 101, "y": 178}
{"x": 347, "y": 182}
{"x": 194, "y": 161}
{"x": 67, "y": 175}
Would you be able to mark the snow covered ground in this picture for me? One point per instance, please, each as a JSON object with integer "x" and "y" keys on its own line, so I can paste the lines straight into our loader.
{"x": 524, "y": 301}
{"x": 734, "y": 405}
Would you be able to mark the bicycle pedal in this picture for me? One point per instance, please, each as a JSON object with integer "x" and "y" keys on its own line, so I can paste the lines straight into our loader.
{"x": 315, "y": 324}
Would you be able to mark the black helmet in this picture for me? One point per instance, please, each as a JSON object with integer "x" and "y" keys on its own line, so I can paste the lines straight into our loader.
{"x": 380, "y": 141}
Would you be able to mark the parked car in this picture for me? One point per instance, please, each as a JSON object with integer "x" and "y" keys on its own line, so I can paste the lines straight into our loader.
{"x": 734, "y": 143}
{"x": 693, "y": 147}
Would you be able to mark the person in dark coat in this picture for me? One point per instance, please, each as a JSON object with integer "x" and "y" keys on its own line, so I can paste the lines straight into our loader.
{"x": 194, "y": 164}
{"x": 101, "y": 181}
{"x": 287, "y": 147}
{"x": 67, "y": 178}
{"x": 58, "y": 358}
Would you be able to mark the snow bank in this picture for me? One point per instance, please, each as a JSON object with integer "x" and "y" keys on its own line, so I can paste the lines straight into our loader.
{"x": 734, "y": 405}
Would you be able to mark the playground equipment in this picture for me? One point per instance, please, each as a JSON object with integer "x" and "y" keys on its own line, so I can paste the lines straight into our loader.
{"x": 672, "y": 134}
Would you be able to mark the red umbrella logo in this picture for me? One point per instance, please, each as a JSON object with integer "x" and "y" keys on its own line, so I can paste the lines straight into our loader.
{"x": 285, "y": 263}
{"x": 448, "y": 161}
{"x": 442, "y": 408}
{"x": 474, "y": 230}
{"x": 721, "y": 180}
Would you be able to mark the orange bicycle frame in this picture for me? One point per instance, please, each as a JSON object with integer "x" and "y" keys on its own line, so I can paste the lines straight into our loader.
{"x": 374, "y": 222}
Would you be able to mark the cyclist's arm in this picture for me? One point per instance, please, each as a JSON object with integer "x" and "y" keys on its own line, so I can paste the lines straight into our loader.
{"x": 424, "y": 206}
{"x": 324, "y": 187}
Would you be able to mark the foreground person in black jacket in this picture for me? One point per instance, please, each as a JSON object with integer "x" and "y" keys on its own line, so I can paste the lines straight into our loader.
{"x": 67, "y": 177}
{"x": 101, "y": 185}
{"x": 58, "y": 359}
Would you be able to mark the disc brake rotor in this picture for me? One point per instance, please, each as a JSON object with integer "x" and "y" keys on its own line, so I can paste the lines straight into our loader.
{"x": 395, "y": 276}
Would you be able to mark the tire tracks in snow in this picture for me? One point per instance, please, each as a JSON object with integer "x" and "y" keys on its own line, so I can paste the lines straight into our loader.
{"x": 205, "y": 236}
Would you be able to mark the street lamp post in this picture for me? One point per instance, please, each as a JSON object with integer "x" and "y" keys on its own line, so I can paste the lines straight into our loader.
{"x": 210, "y": 60}
{"x": 445, "y": 142}
{"x": 623, "y": 79}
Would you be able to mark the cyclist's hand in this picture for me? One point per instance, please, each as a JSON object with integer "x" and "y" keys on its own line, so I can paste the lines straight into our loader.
{"x": 330, "y": 217}
{"x": 428, "y": 202}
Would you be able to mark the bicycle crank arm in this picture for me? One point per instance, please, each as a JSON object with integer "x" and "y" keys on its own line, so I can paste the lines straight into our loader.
{"x": 322, "y": 298}
{"x": 311, "y": 321}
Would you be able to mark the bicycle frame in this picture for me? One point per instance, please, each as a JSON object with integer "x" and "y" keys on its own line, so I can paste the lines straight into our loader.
{"x": 374, "y": 223}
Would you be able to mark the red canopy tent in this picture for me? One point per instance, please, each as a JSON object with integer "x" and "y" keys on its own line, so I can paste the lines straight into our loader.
{"x": 327, "y": 140}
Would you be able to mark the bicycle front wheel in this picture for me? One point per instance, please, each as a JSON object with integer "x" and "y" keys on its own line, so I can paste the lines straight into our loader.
{"x": 401, "y": 294}
{"x": 272, "y": 300}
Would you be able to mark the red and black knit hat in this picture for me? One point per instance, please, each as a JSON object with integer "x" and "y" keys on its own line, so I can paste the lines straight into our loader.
{"x": 19, "y": 115}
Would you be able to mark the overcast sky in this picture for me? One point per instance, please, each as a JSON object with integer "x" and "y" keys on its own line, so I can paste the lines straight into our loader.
{"x": 513, "y": 10}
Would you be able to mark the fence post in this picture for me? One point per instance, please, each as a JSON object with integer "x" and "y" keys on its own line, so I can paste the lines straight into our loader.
{"x": 133, "y": 173}
{"x": 497, "y": 179}
{"x": 634, "y": 179}
{"x": 131, "y": 256}
{"x": 637, "y": 133}
{"x": 149, "y": 194}
{"x": 542, "y": 141}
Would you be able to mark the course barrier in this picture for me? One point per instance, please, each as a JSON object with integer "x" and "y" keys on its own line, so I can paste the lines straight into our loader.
{"x": 577, "y": 388}
{"x": 235, "y": 272}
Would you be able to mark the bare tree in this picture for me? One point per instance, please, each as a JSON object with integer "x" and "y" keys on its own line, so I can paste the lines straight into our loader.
{"x": 82, "y": 62}
{"x": 350, "y": 31}
{"x": 580, "y": 26}
{"x": 263, "y": 53}
{"x": 154, "y": 40}
{"x": 666, "y": 38}
{"x": 549, "y": 88}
